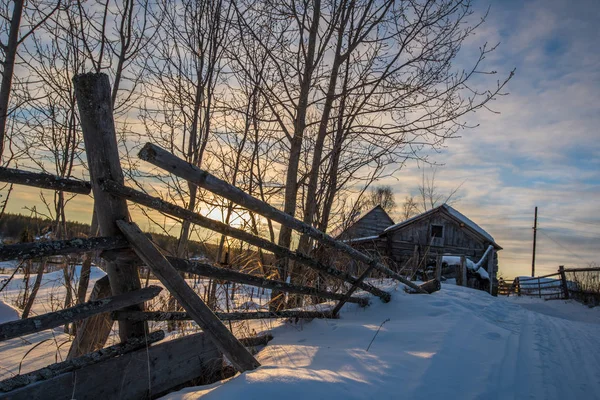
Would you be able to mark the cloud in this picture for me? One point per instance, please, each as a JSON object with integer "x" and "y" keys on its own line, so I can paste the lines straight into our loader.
{"x": 544, "y": 147}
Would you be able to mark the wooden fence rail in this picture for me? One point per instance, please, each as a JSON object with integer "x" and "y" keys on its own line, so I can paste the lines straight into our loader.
{"x": 230, "y": 316}
{"x": 44, "y": 181}
{"x": 147, "y": 373}
{"x": 216, "y": 226}
{"x": 25, "y": 251}
{"x": 79, "y": 312}
{"x": 171, "y": 163}
{"x": 80, "y": 362}
{"x": 207, "y": 270}
{"x": 218, "y": 333}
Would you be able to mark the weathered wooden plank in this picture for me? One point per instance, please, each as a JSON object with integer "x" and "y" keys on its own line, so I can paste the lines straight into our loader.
{"x": 590, "y": 269}
{"x": 51, "y": 320}
{"x": 230, "y": 316}
{"x": 44, "y": 181}
{"x": 163, "y": 159}
{"x": 56, "y": 369}
{"x": 210, "y": 271}
{"x": 141, "y": 374}
{"x": 490, "y": 269}
{"x": 563, "y": 280}
{"x": 348, "y": 294}
{"x": 23, "y": 251}
{"x": 179, "y": 212}
{"x": 94, "y": 102}
{"x": 438, "y": 267}
{"x": 93, "y": 331}
{"x": 524, "y": 280}
{"x": 430, "y": 286}
{"x": 241, "y": 359}
{"x": 461, "y": 278}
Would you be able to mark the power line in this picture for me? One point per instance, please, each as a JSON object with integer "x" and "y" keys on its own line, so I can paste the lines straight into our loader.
{"x": 568, "y": 228}
{"x": 545, "y": 234}
{"x": 572, "y": 221}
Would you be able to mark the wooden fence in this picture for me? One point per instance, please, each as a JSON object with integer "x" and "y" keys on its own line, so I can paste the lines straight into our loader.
{"x": 582, "y": 284}
{"x": 119, "y": 297}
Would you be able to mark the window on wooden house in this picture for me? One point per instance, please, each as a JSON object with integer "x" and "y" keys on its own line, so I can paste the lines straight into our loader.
{"x": 437, "y": 235}
{"x": 437, "y": 231}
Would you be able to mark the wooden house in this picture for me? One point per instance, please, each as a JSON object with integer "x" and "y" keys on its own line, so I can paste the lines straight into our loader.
{"x": 418, "y": 242}
{"x": 371, "y": 224}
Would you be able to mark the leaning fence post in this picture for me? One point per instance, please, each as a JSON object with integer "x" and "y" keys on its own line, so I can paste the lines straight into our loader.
{"x": 225, "y": 341}
{"x": 563, "y": 278}
{"x": 97, "y": 124}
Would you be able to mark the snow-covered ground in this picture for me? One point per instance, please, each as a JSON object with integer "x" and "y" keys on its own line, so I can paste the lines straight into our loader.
{"x": 458, "y": 343}
{"x": 37, "y": 350}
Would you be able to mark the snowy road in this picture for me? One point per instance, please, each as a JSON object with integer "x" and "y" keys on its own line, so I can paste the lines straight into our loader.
{"x": 455, "y": 344}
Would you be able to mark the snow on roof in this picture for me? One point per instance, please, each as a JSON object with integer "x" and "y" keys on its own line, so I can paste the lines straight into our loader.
{"x": 468, "y": 222}
{"x": 361, "y": 239}
{"x": 452, "y": 211}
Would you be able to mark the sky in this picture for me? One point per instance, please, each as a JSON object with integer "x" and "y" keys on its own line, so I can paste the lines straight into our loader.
{"x": 541, "y": 147}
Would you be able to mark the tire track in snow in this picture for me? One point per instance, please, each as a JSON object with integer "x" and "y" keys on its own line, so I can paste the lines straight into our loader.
{"x": 568, "y": 366}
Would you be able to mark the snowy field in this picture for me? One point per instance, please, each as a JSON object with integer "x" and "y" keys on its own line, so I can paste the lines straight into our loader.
{"x": 455, "y": 344}
{"x": 458, "y": 343}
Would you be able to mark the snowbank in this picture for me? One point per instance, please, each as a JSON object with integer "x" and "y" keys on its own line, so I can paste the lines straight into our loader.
{"x": 8, "y": 313}
{"x": 457, "y": 343}
{"x": 477, "y": 268}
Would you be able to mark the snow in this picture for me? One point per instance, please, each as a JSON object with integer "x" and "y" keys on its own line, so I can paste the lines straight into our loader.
{"x": 361, "y": 239}
{"x": 468, "y": 222}
{"x": 475, "y": 267}
{"x": 457, "y": 343}
{"x": 7, "y": 313}
{"x": 455, "y": 213}
{"x": 37, "y": 350}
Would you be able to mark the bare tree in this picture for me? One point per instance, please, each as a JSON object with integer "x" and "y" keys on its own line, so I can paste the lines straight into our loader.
{"x": 357, "y": 86}
{"x": 382, "y": 196}
{"x": 430, "y": 195}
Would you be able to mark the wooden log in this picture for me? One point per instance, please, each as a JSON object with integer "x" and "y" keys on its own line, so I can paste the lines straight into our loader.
{"x": 56, "y": 369}
{"x": 93, "y": 331}
{"x": 590, "y": 269}
{"x": 203, "y": 269}
{"x": 23, "y": 251}
{"x": 347, "y": 296}
{"x": 179, "y": 212}
{"x": 142, "y": 374}
{"x": 93, "y": 95}
{"x": 44, "y": 181}
{"x": 430, "y": 286}
{"x": 563, "y": 279}
{"x": 51, "y": 320}
{"x": 438, "y": 267}
{"x": 227, "y": 343}
{"x": 223, "y": 316}
{"x": 167, "y": 161}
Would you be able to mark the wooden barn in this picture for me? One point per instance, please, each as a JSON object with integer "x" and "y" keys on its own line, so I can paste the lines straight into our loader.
{"x": 414, "y": 245}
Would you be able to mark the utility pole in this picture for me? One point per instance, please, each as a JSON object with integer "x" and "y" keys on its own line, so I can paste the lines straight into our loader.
{"x": 534, "y": 237}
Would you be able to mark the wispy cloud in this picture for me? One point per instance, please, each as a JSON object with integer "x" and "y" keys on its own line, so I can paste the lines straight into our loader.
{"x": 544, "y": 147}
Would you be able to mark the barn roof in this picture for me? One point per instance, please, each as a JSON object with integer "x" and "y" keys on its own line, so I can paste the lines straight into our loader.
{"x": 454, "y": 214}
{"x": 377, "y": 208}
